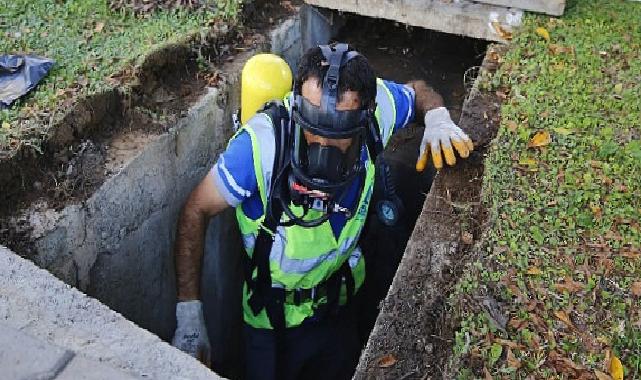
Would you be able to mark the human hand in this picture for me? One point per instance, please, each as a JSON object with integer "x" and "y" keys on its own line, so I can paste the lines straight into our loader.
{"x": 191, "y": 332}
{"x": 442, "y": 133}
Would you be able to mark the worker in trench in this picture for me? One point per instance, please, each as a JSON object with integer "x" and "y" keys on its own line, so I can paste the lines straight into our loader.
{"x": 300, "y": 174}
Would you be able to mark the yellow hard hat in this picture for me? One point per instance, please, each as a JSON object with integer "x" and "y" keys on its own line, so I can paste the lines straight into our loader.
{"x": 265, "y": 77}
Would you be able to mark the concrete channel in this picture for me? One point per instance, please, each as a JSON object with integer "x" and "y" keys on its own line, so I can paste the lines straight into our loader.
{"x": 115, "y": 245}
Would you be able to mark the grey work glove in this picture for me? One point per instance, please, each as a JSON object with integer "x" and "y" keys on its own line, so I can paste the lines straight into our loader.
{"x": 191, "y": 332}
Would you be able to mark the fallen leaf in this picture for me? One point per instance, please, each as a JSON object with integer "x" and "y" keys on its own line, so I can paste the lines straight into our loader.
{"x": 616, "y": 368}
{"x": 543, "y": 33}
{"x": 527, "y": 161}
{"x": 541, "y": 138}
{"x": 618, "y": 88}
{"x": 502, "y": 32}
{"x": 512, "y": 126}
{"x": 563, "y": 131}
{"x": 387, "y": 361}
{"x": 99, "y": 26}
{"x": 565, "y": 365}
{"x": 467, "y": 238}
{"x": 569, "y": 285}
{"x": 563, "y": 317}
{"x": 636, "y": 288}
{"x": 488, "y": 375}
{"x": 534, "y": 271}
{"x": 516, "y": 323}
{"x": 602, "y": 375}
{"x": 558, "y": 49}
{"x": 6, "y": 125}
{"x": 512, "y": 361}
{"x": 507, "y": 343}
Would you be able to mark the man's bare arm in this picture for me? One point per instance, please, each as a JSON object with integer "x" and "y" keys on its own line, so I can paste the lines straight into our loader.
{"x": 426, "y": 98}
{"x": 204, "y": 202}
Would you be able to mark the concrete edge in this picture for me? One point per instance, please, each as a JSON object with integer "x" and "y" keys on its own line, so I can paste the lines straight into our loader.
{"x": 463, "y": 17}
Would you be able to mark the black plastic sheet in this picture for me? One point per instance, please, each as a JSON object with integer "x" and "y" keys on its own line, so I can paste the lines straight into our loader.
{"x": 19, "y": 74}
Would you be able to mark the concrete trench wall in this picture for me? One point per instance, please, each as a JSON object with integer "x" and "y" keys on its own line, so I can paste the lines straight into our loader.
{"x": 117, "y": 246}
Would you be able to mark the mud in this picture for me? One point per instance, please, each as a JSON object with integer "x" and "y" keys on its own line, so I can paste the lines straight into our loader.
{"x": 416, "y": 326}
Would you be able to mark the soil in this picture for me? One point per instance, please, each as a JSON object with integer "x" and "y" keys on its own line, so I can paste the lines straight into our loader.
{"x": 416, "y": 326}
{"x": 101, "y": 132}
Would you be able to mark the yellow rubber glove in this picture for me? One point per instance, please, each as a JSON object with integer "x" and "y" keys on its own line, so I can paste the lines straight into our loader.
{"x": 439, "y": 136}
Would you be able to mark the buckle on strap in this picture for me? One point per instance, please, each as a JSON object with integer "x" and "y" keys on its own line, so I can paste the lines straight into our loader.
{"x": 267, "y": 230}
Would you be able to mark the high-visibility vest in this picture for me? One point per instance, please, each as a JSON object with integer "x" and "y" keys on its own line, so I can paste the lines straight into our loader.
{"x": 302, "y": 258}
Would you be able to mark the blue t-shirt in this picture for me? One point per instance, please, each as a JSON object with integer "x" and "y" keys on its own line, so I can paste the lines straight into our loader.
{"x": 235, "y": 178}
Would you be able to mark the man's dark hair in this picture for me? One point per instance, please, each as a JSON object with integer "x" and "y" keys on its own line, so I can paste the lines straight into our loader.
{"x": 357, "y": 75}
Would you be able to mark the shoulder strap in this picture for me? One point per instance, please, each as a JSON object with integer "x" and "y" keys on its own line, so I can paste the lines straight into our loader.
{"x": 374, "y": 140}
{"x": 262, "y": 293}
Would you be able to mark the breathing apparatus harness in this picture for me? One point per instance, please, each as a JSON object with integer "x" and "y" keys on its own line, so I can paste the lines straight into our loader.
{"x": 312, "y": 176}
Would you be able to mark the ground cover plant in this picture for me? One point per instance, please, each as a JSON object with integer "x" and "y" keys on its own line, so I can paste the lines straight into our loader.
{"x": 553, "y": 291}
{"x": 91, "y": 41}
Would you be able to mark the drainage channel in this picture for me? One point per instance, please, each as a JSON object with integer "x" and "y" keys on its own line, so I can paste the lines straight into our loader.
{"x": 113, "y": 236}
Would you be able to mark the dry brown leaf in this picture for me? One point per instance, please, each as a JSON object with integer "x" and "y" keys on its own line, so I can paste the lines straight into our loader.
{"x": 387, "y": 361}
{"x": 564, "y": 365}
{"x": 558, "y": 49}
{"x": 488, "y": 375}
{"x": 501, "y": 31}
{"x": 467, "y": 238}
{"x": 630, "y": 253}
{"x": 512, "y": 361}
{"x": 507, "y": 343}
{"x": 99, "y": 26}
{"x": 602, "y": 375}
{"x": 516, "y": 323}
{"x": 534, "y": 271}
{"x": 512, "y": 126}
{"x": 563, "y": 317}
{"x": 636, "y": 288}
{"x": 569, "y": 285}
{"x": 541, "y": 138}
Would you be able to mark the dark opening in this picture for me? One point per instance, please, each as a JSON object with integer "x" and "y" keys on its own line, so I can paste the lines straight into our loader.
{"x": 402, "y": 53}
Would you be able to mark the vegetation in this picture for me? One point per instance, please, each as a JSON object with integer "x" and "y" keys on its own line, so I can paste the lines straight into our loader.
{"x": 561, "y": 256}
{"x": 90, "y": 43}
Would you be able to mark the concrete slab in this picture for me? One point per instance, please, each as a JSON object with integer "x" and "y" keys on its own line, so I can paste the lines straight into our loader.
{"x": 22, "y": 356}
{"x": 551, "y": 7}
{"x": 36, "y": 303}
{"x": 464, "y": 17}
{"x": 84, "y": 369}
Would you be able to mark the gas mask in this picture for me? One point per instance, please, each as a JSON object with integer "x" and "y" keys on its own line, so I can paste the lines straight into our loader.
{"x": 326, "y": 143}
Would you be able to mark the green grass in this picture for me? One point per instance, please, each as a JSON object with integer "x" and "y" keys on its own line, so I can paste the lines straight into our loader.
{"x": 565, "y": 218}
{"x": 89, "y": 42}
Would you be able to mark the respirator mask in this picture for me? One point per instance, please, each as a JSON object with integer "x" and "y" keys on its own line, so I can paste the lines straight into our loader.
{"x": 326, "y": 144}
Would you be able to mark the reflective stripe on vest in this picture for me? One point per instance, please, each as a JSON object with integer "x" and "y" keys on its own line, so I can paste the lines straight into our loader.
{"x": 385, "y": 111}
{"x": 302, "y": 258}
